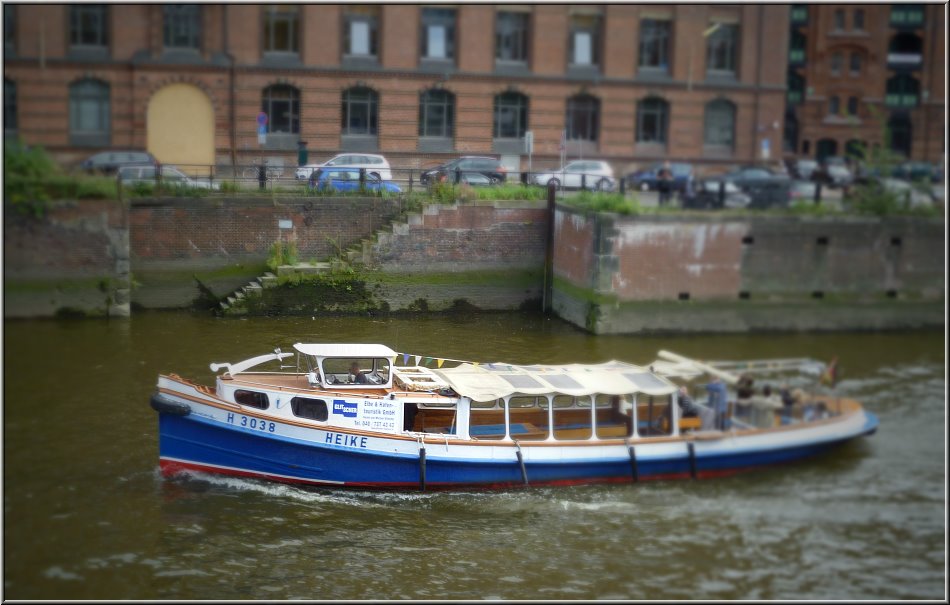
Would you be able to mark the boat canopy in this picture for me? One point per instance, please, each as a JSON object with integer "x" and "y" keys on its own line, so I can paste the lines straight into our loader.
{"x": 346, "y": 350}
{"x": 487, "y": 382}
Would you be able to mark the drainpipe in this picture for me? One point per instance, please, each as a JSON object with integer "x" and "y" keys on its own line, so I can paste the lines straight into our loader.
{"x": 231, "y": 101}
{"x": 758, "y": 86}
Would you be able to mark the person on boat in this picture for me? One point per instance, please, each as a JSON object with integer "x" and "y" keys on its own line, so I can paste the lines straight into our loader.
{"x": 764, "y": 407}
{"x": 618, "y": 416}
{"x": 744, "y": 393}
{"x": 687, "y": 406}
{"x": 358, "y": 376}
{"x": 718, "y": 401}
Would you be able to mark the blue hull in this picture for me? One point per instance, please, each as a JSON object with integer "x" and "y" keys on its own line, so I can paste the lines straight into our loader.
{"x": 188, "y": 443}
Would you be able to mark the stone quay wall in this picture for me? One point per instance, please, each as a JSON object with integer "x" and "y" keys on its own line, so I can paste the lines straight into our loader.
{"x": 620, "y": 274}
{"x": 73, "y": 260}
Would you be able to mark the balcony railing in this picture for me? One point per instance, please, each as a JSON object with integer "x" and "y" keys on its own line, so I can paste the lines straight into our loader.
{"x": 907, "y": 18}
{"x": 901, "y": 100}
{"x": 799, "y": 15}
{"x": 904, "y": 60}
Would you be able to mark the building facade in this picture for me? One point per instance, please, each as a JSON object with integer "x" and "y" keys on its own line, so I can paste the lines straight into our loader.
{"x": 632, "y": 84}
{"x": 864, "y": 76}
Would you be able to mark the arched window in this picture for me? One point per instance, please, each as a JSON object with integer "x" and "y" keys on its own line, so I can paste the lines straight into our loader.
{"x": 511, "y": 116}
{"x": 281, "y": 103}
{"x": 652, "y": 120}
{"x": 360, "y": 111}
{"x": 825, "y": 148}
{"x": 89, "y": 113}
{"x": 720, "y": 123}
{"x": 583, "y": 118}
{"x": 436, "y": 114}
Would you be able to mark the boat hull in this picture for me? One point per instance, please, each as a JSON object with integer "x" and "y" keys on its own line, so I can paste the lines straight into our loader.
{"x": 202, "y": 442}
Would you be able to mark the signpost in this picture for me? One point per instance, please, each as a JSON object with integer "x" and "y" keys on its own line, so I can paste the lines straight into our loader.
{"x": 261, "y": 128}
{"x": 529, "y": 148}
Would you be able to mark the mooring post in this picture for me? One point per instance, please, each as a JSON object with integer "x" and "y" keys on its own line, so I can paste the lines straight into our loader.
{"x": 549, "y": 253}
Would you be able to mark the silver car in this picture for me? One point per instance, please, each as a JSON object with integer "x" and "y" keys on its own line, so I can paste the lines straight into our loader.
{"x": 171, "y": 175}
{"x": 374, "y": 164}
{"x": 592, "y": 174}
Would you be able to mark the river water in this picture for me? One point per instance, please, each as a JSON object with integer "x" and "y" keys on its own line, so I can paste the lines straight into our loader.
{"x": 88, "y": 516}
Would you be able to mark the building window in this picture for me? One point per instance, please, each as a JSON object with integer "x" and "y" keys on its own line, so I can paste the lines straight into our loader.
{"x": 796, "y": 88}
{"x": 361, "y": 31}
{"x": 436, "y": 113}
{"x": 511, "y": 37}
{"x": 852, "y": 106}
{"x": 652, "y": 118}
{"x": 281, "y": 103}
{"x": 796, "y": 47}
{"x": 182, "y": 26}
{"x": 907, "y": 14}
{"x": 720, "y": 123}
{"x": 836, "y": 60}
{"x": 438, "y": 33}
{"x": 585, "y": 40}
{"x": 360, "y": 111}
{"x": 903, "y": 90}
{"x": 281, "y": 24}
{"x": 721, "y": 50}
{"x": 583, "y": 118}
{"x": 9, "y": 29}
{"x": 9, "y": 108}
{"x": 89, "y": 112}
{"x": 88, "y": 25}
{"x": 901, "y": 133}
{"x": 511, "y": 116}
{"x": 799, "y": 14}
{"x": 855, "y": 65}
{"x": 859, "y": 19}
{"x": 655, "y": 44}
{"x": 839, "y": 20}
{"x": 833, "y": 106}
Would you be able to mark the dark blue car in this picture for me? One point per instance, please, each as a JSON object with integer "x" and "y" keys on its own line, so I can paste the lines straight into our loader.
{"x": 646, "y": 180}
{"x": 341, "y": 178}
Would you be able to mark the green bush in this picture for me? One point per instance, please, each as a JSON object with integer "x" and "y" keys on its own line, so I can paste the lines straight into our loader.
{"x": 604, "y": 202}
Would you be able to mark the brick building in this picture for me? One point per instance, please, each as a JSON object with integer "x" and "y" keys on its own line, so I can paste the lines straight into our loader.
{"x": 855, "y": 69}
{"x": 632, "y": 84}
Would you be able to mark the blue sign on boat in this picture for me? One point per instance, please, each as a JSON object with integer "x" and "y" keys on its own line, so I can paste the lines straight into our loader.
{"x": 346, "y": 408}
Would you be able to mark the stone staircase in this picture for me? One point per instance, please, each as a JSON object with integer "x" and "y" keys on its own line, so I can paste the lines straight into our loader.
{"x": 360, "y": 253}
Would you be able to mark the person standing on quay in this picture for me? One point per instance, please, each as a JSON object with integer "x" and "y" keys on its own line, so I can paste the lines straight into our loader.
{"x": 665, "y": 183}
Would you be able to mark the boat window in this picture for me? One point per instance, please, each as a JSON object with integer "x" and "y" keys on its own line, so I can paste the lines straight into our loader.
{"x": 654, "y": 414}
{"x": 314, "y": 409}
{"x": 486, "y": 404}
{"x": 571, "y": 418}
{"x": 340, "y": 370}
{"x": 613, "y": 420}
{"x": 252, "y": 399}
{"x": 522, "y": 402}
{"x": 602, "y": 401}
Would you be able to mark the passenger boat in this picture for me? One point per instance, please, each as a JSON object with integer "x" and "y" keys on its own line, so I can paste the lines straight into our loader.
{"x": 432, "y": 423}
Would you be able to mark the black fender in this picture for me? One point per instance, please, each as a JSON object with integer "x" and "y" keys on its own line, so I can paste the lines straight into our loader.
{"x": 163, "y": 405}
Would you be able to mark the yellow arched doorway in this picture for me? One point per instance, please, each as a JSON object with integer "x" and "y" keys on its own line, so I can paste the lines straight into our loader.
{"x": 180, "y": 128}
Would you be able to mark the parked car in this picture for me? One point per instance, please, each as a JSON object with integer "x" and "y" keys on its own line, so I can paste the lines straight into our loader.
{"x": 171, "y": 176}
{"x": 476, "y": 179}
{"x": 376, "y": 165}
{"x": 707, "y": 195}
{"x": 802, "y": 190}
{"x": 915, "y": 171}
{"x": 108, "y": 162}
{"x": 765, "y": 186}
{"x": 647, "y": 180}
{"x": 593, "y": 174}
{"x": 347, "y": 178}
{"x": 837, "y": 176}
{"x": 485, "y": 165}
{"x": 906, "y": 192}
{"x": 802, "y": 168}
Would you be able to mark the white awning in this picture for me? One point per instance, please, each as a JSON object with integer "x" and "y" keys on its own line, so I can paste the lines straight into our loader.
{"x": 346, "y": 350}
{"x": 487, "y": 382}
